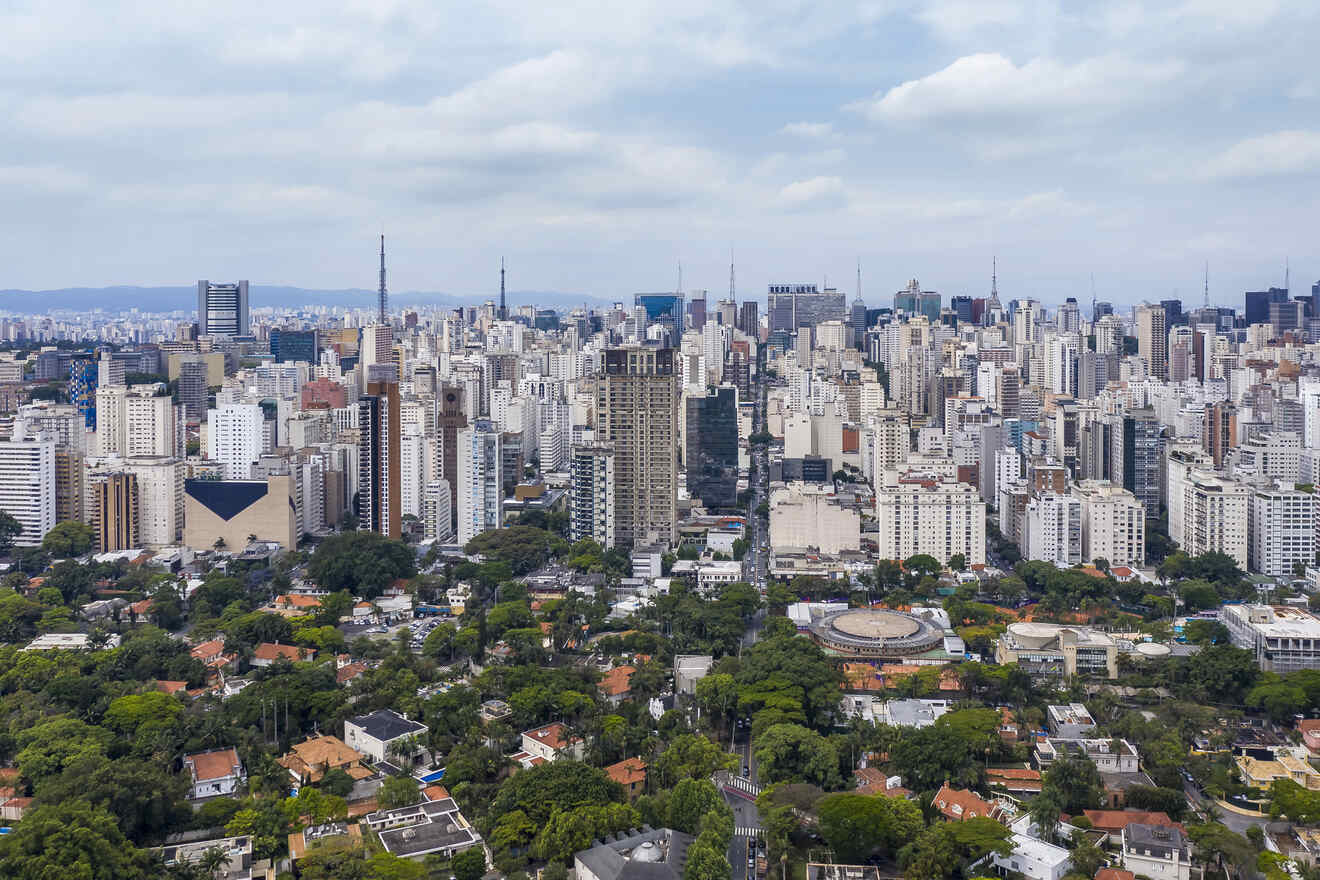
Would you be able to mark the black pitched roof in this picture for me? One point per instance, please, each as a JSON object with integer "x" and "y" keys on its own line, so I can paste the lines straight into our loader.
{"x": 226, "y": 498}
{"x": 386, "y": 725}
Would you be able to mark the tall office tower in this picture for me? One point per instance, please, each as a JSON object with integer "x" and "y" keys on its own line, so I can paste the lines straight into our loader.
{"x": 1094, "y": 372}
{"x": 450, "y": 418}
{"x": 1109, "y": 335}
{"x": 1281, "y": 530}
{"x": 27, "y": 483}
{"x": 234, "y": 438}
{"x": 1134, "y": 458}
{"x": 1024, "y": 322}
{"x": 437, "y": 515}
{"x": 1008, "y": 390}
{"x": 1070, "y": 317}
{"x": 913, "y": 300}
{"x": 222, "y": 309}
{"x": 480, "y": 479}
{"x": 591, "y": 499}
{"x": 115, "y": 511}
{"x": 109, "y": 370}
{"x": 697, "y": 311}
{"x": 962, "y": 308}
{"x": 193, "y": 390}
{"x": 379, "y": 441}
{"x": 637, "y": 410}
{"x": 1287, "y": 315}
{"x": 794, "y": 306}
{"x": 1113, "y": 524}
{"x": 376, "y": 346}
{"x": 1152, "y": 340}
{"x": 665, "y": 309}
{"x": 83, "y": 374}
{"x": 857, "y": 323}
{"x": 726, "y": 312}
{"x": 1053, "y": 528}
{"x": 1173, "y": 312}
{"x": 748, "y": 321}
{"x": 712, "y": 448}
{"x": 1101, "y": 309}
{"x": 1258, "y": 304}
{"x": 288, "y": 346}
{"x": 1063, "y": 352}
{"x": 1219, "y": 430}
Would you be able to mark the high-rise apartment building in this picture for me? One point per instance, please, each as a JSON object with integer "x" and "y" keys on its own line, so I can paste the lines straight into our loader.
{"x": 1053, "y": 529}
{"x": 27, "y": 484}
{"x": 1219, "y": 430}
{"x": 637, "y": 398}
{"x": 1281, "y": 525}
{"x": 135, "y": 422}
{"x": 222, "y": 309}
{"x": 115, "y": 511}
{"x": 1113, "y": 524}
{"x": 480, "y": 479}
{"x": 234, "y": 438}
{"x": 748, "y": 322}
{"x": 591, "y": 498}
{"x": 379, "y": 506}
{"x": 193, "y": 389}
{"x": 450, "y": 418}
{"x": 83, "y": 375}
{"x": 1215, "y": 514}
{"x": 937, "y": 516}
{"x": 1153, "y": 339}
{"x": 1137, "y": 446}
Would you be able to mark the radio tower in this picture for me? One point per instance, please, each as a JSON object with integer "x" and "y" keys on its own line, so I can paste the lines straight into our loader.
{"x": 504, "y": 312}
{"x": 384, "y": 297}
{"x": 1207, "y": 284}
{"x": 732, "y": 298}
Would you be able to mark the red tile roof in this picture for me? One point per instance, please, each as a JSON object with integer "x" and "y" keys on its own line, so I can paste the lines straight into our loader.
{"x": 212, "y": 765}
{"x": 1117, "y": 820}
{"x": 274, "y": 651}
{"x": 957, "y": 805}
{"x": 629, "y": 771}
{"x": 616, "y": 682}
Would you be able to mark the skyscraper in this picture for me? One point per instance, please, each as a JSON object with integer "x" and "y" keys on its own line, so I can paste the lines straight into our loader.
{"x": 379, "y": 439}
{"x": 480, "y": 479}
{"x": 1135, "y": 455}
{"x": 293, "y": 345}
{"x": 27, "y": 483}
{"x": 637, "y": 411}
{"x": 1258, "y": 304}
{"x": 234, "y": 438}
{"x": 711, "y": 457}
{"x": 665, "y": 309}
{"x": 913, "y": 300}
{"x": 222, "y": 309}
{"x": 794, "y": 306}
{"x": 83, "y": 377}
{"x": 115, "y": 511}
{"x": 748, "y": 321}
{"x": 1153, "y": 339}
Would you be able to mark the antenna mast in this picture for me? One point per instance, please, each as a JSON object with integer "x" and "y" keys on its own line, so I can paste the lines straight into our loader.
{"x": 859, "y": 277}
{"x": 384, "y": 297}
{"x": 1207, "y": 284}
{"x": 504, "y": 312}
{"x": 732, "y": 298}
{"x": 994, "y": 277}
{"x": 1093, "y": 296}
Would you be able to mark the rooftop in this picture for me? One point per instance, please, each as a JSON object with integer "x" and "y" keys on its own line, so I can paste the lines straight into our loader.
{"x": 386, "y": 725}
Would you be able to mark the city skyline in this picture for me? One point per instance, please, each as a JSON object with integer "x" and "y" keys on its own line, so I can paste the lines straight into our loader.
{"x": 924, "y": 138}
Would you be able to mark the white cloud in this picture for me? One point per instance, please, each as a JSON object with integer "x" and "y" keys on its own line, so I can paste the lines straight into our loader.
{"x": 989, "y": 86}
{"x": 815, "y": 192}
{"x": 41, "y": 179}
{"x": 1282, "y": 152}
{"x": 808, "y": 129}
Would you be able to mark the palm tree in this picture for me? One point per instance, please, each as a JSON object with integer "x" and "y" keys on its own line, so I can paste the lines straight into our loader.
{"x": 214, "y": 860}
{"x": 219, "y": 543}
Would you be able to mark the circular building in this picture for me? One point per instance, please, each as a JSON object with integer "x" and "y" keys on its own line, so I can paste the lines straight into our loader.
{"x": 872, "y": 633}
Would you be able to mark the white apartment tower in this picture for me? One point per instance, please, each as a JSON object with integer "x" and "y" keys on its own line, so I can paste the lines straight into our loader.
{"x": 937, "y": 516}
{"x": 480, "y": 480}
{"x": 27, "y": 483}
{"x": 1113, "y": 524}
{"x": 234, "y": 438}
{"x": 1054, "y": 529}
{"x": 1214, "y": 516}
{"x": 1281, "y": 525}
{"x": 591, "y": 498}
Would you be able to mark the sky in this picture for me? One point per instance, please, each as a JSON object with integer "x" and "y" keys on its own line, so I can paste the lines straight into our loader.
{"x": 599, "y": 146}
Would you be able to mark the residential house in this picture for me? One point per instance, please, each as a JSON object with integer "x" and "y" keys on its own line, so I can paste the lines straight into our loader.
{"x": 872, "y": 780}
{"x": 1071, "y": 721}
{"x": 1033, "y": 859}
{"x": 381, "y": 734}
{"x": 269, "y": 653}
{"x": 552, "y": 740}
{"x": 957, "y": 805}
{"x": 1261, "y": 774}
{"x": 435, "y": 826}
{"x": 615, "y": 685}
{"x": 1310, "y": 730}
{"x": 237, "y": 849}
{"x": 1020, "y": 781}
{"x": 1010, "y": 731}
{"x": 308, "y": 761}
{"x": 214, "y": 773}
{"x": 1156, "y": 851}
{"x": 313, "y": 835}
{"x": 630, "y": 773}
{"x": 1112, "y": 822}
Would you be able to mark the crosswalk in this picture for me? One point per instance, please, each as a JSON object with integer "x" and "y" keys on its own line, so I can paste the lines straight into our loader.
{"x": 746, "y": 831}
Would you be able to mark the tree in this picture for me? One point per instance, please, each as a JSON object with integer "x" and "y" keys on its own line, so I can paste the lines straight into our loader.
{"x": 470, "y": 864}
{"x": 793, "y": 753}
{"x": 144, "y": 798}
{"x": 691, "y": 755}
{"x": 397, "y": 791}
{"x": 1046, "y": 811}
{"x": 705, "y": 862}
{"x": 957, "y": 562}
{"x": 69, "y": 538}
{"x": 1087, "y": 858}
{"x": 1076, "y": 783}
{"x": 944, "y": 849}
{"x": 1199, "y": 595}
{"x": 137, "y": 715}
{"x": 931, "y": 756}
{"x": 858, "y": 826}
{"x": 362, "y": 562}
{"x": 71, "y": 840}
{"x": 923, "y": 564}
{"x": 558, "y": 784}
{"x": 569, "y": 831}
{"x": 10, "y": 529}
{"x": 690, "y": 801}
{"x": 213, "y": 860}
{"x": 791, "y": 674}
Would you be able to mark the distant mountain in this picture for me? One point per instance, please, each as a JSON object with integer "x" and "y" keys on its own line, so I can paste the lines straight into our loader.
{"x": 168, "y": 299}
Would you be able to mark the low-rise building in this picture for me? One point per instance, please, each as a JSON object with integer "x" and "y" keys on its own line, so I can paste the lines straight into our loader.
{"x": 385, "y": 735}
{"x": 630, "y": 773}
{"x": 1281, "y": 638}
{"x": 1157, "y": 852}
{"x": 957, "y": 805}
{"x": 551, "y": 741}
{"x": 270, "y": 653}
{"x": 434, "y": 826}
{"x": 310, "y": 760}
{"x": 1261, "y": 774}
{"x": 214, "y": 774}
{"x": 1033, "y": 859}
{"x": 655, "y": 854}
{"x": 1070, "y": 722}
{"x": 1108, "y": 755}
{"x": 238, "y": 851}
{"x": 690, "y": 669}
{"x": 1057, "y": 649}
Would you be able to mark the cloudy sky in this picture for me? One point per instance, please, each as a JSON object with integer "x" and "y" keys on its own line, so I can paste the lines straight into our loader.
{"x": 597, "y": 145}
